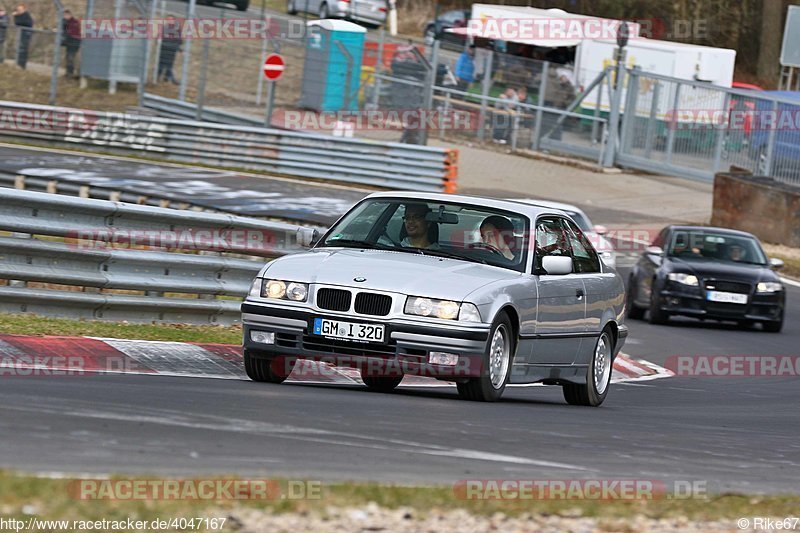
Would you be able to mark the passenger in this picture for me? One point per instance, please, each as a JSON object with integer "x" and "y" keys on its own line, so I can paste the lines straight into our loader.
{"x": 418, "y": 231}
{"x": 498, "y": 233}
{"x": 736, "y": 253}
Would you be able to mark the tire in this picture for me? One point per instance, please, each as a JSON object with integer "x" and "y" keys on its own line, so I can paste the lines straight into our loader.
{"x": 773, "y": 327}
{"x": 291, "y": 8}
{"x": 243, "y": 5}
{"x": 598, "y": 375}
{"x": 268, "y": 370}
{"x": 657, "y": 316}
{"x": 323, "y": 11}
{"x": 381, "y": 383}
{"x": 495, "y": 365}
{"x": 634, "y": 312}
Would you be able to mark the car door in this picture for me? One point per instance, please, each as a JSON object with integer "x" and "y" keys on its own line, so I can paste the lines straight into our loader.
{"x": 597, "y": 284}
{"x": 561, "y": 310}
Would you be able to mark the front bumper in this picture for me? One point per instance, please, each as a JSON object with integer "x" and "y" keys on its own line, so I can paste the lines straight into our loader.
{"x": 407, "y": 344}
{"x": 759, "y": 307}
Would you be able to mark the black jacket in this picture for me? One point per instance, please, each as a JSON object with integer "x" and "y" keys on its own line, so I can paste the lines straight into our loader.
{"x": 24, "y": 20}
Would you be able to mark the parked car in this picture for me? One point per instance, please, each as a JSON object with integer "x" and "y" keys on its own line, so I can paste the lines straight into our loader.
{"x": 445, "y": 286}
{"x": 706, "y": 272}
{"x": 435, "y": 29}
{"x": 594, "y": 232}
{"x": 370, "y": 12}
{"x": 241, "y": 5}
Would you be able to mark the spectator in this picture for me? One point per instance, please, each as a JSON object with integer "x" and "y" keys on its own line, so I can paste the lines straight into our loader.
{"x": 3, "y": 30}
{"x": 170, "y": 46}
{"x": 560, "y": 92}
{"x": 465, "y": 68}
{"x": 504, "y": 119}
{"x": 71, "y": 40}
{"x": 24, "y": 21}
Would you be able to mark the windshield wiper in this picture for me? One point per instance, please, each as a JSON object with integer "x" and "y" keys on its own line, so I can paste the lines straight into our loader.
{"x": 452, "y": 255}
{"x": 355, "y": 243}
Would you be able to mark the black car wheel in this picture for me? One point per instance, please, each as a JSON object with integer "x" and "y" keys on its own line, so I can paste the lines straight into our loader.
{"x": 657, "y": 315}
{"x": 268, "y": 370}
{"x": 242, "y": 5}
{"x": 773, "y": 327}
{"x": 495, "y": 365}
{"x": 598, "y": 375}
{"x": 291, "y": 8}
{"x": 323, "y": 11}
{"x": 634, "y": 312}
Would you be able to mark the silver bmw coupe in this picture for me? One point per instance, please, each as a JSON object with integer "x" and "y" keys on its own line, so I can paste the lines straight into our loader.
{"x": 471, "y": 290}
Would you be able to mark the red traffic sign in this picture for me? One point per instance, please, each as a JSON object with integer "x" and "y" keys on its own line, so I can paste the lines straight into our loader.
{"x": 274, "y": 67}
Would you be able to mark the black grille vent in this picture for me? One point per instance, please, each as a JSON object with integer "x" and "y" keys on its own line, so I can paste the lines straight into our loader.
{"x": 728, "y": 286}
{"x": 368, "y": 303}
{"x": 333, "y": 299}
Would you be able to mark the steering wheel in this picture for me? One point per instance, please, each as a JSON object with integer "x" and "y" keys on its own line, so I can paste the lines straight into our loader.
{"x": 487, "y": 246}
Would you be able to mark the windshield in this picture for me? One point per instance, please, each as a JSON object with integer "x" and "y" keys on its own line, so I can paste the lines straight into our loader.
{"x": 458, "y": 231}
{"x": 716, "y": 247}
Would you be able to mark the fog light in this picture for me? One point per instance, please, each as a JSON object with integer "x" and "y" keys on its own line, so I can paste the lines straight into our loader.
{"x": 442, "y": 358}
{"x": 263, "y": 337}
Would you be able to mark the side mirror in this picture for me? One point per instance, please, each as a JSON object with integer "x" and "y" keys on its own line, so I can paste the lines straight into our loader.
{"x": 775, "y": 263}
{"x": 654, "y": 250}
{"x": 600, "y": 229}
{"x": 557, "y": 265}
{"x": 308, "y": 237}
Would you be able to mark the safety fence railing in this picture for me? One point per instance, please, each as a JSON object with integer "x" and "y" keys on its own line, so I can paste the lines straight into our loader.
{"x": 98, "y": 259}
{"x": 347, "y": 160}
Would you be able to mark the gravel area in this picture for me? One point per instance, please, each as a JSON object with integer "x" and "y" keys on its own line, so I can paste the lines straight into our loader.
{"x": 371, "y": 517}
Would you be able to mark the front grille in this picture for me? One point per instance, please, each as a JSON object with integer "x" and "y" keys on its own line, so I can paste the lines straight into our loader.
{"x": 333, "y": 299}
{"x": 368, "y": 303}
{"x": 728, "y": 286}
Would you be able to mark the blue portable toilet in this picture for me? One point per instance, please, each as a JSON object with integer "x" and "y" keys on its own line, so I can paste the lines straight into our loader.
{"x": 332, "y": 71}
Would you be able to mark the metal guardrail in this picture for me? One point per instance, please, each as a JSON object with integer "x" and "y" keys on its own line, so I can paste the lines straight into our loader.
{"x": 176, "y": 262}
{"x": 389, "y": 165}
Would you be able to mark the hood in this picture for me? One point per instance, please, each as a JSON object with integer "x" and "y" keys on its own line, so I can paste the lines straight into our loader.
{"x": 728, "y": 271}
{"x": 401, "y": 272}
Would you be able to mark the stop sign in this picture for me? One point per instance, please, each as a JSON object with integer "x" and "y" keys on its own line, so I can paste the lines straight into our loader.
{"x": 274, "y": 67}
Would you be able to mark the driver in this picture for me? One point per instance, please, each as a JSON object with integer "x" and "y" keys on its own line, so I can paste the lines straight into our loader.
{"x": 498, "y": 232}
{"x": 736, "y": 253}
{"x": 418, "y": 227}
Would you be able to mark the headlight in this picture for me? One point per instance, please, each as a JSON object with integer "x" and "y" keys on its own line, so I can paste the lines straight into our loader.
{"x": 444, "y": 309}
{"x": 284, "y": 290}
{"x": 769, "y": 286}
{"x": 685, "y": 279}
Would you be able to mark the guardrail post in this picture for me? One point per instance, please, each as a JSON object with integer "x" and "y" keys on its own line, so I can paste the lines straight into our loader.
{"x": 19, "y": 182}
{"x": 451, "y": 171}
{"x": 486, "y": 86}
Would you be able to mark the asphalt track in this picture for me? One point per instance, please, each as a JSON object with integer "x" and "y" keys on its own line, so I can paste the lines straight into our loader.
{"x": 738, "y": 434}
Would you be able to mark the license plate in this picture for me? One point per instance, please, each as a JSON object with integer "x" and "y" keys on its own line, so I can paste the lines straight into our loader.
{"x": 726, "y": 297}
{"x": 348, "y": 330}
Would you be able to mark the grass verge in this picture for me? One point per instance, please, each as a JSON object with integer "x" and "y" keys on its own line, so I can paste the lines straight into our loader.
{"x": 26, "y": 324}
{"x": 47, "y": 498}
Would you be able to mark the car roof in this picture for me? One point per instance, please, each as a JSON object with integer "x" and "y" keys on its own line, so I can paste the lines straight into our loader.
{"x": 553, "y": 205}
{"x": 729, "y": 231}
{"x": 530, "y": 210}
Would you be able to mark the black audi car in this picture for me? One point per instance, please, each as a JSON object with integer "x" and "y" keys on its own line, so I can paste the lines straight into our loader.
{"x": 707, "y": 273}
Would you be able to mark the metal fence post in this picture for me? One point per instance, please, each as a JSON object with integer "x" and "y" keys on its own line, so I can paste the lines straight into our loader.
{"x": 537, "y": 129}
{"x": 628, "y": 118}
{"x": 379, "y": 70}
{"x": 771, "y": 143}
{"x": 201, "y": 89}
{"x": 260, "y": 84}
{"x": 57, "y": 52}
{"x": 651, "y": 123}
{"x": 486, "y": 86}
{"x": 720, "y": 141}
{"x": 187, "y": 53}
{"x": 613, "y": 119}
{"x": 157, "y": 57}
{"x": 673, "y": 124}
{"x": 430, "y": 83}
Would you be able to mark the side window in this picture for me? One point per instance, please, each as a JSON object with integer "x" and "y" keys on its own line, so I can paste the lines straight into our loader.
{"x": 550, "y": 240}
{"x": 584, "y": 258}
